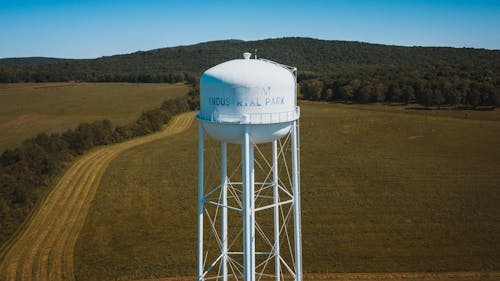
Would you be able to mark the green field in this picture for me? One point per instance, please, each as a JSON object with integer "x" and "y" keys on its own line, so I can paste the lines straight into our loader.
{"x": 384, "y": 189}
{"x": 28, "y": 108}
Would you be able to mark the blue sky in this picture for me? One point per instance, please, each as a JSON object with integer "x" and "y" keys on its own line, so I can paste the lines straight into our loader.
{"x": 89, "y": 29}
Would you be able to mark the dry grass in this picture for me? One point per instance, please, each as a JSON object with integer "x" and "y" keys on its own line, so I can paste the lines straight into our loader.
{"x": 384, "y": 189}
{"x": 27, "y": 109}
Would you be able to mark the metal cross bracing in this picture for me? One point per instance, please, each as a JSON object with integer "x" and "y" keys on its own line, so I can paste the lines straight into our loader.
{"x": 249, "y": 227}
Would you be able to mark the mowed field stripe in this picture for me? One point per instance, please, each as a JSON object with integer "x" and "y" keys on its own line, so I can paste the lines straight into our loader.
{"x": 44, "y": 249}
{"x": 51, "y": 257}
{"x": 37, "y": 230}
{"x": 59, "y": 218}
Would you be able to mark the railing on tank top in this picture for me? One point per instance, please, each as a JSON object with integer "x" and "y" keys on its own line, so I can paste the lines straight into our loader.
{"x": 255, "y": 118}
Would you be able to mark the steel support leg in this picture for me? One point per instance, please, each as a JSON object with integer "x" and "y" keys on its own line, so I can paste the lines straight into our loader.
{"x": 296, "y": 204}
{"x": 247, "y": 209}
{"x": 200, "y": 203}
{"x": 224, "y": 209}
{"x": 252, "y": 211}
{"x": 276, "y": 210}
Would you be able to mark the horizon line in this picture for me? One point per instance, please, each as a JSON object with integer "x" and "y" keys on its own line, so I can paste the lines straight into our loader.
{"x": 242, "y": 40}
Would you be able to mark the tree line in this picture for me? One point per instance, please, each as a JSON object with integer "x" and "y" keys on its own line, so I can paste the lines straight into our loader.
{"x": 53, "y": 73}
{"x": 456, "y": 87}
{"x": 28, "y": 170}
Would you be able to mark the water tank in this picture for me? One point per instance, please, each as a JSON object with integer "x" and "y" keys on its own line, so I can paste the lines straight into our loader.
{"x": 257, "y": 93}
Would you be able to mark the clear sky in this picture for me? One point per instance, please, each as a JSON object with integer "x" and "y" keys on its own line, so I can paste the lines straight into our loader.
{"x": 89, "y": 29}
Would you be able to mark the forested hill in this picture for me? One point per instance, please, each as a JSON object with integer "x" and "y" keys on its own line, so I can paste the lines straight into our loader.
{"x": 309, "y": 55}
{"x": 30, "y": 61}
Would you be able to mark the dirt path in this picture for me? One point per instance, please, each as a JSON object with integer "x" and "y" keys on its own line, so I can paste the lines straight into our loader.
{"x": 43, "y": 250}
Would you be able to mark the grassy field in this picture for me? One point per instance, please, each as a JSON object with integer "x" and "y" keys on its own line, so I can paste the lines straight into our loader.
{"x": 384, "y": 189}
{"x": 27, "y": 109}
{"x": 43, "y": 249}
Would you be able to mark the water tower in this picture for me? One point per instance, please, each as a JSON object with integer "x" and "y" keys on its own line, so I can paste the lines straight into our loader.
{"x": 249, "y": 218}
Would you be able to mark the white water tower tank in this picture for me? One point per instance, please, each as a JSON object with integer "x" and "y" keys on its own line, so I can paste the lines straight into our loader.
{"x": 247, "y": 102}
{"x": 257, "y": 93}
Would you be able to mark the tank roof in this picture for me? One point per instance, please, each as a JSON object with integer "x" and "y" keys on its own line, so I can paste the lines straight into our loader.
{"x": 249, "y": 72}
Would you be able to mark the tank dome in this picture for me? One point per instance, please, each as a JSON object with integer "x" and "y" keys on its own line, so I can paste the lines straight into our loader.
{"x": 241, "y": 92}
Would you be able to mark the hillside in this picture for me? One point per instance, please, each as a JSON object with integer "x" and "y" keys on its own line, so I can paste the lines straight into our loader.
{"x": 30, "y": 61}
{"x": 309, "y": 55}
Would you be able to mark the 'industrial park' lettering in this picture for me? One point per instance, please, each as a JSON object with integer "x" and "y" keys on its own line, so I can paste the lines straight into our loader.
{"x": 268, "y": 101}
{"x": 219, "y": 101}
